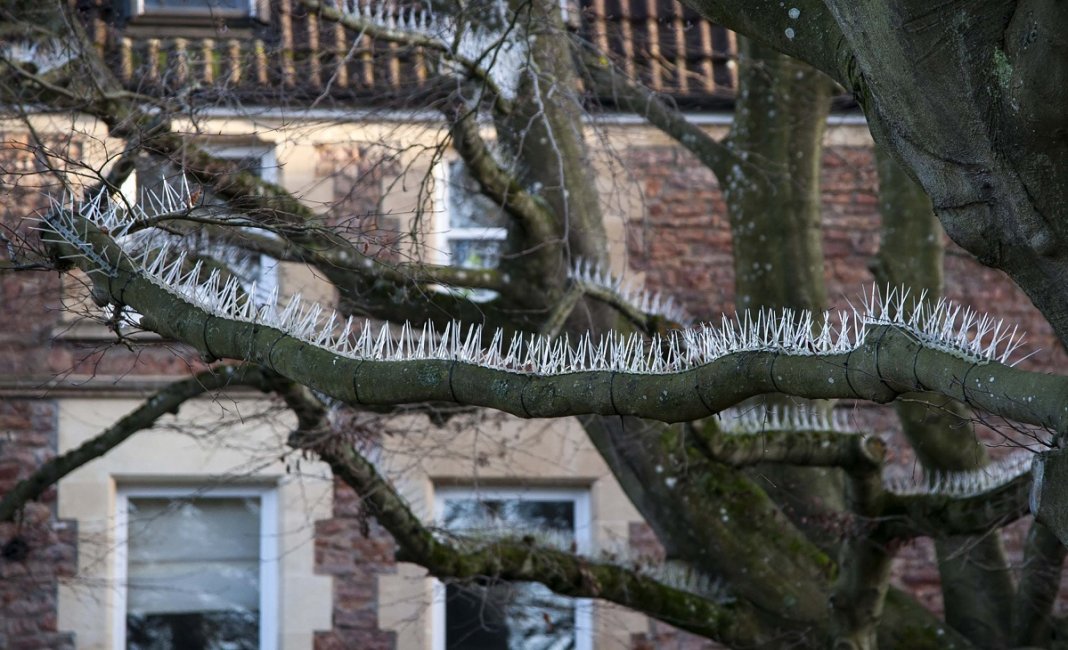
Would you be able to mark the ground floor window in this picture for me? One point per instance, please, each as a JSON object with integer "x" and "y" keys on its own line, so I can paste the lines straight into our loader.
{"x": 494, "y": 615}
{"x": 197, "y": 568}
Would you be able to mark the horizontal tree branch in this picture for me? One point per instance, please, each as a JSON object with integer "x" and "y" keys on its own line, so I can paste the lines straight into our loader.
{"x": 940, "y": 515}
{"x": 890, "y": 361}
{"x": 143, "y": 417}
{"x": 519, "y": 560}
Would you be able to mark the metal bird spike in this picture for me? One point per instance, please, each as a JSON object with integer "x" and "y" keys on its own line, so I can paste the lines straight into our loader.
{"x": 964, "y": 484}
{"x": 943, "y": 325}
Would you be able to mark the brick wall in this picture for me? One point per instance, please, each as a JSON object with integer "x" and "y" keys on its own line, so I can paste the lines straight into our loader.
{"x": 35, "y": 551}
{"x": 353, "y": 549}
{"x": 683, "y": 246}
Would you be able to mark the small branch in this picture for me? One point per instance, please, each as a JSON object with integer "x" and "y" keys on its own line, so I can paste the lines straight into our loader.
{"x": 552, "y": 326}
{"x": 347, "y": 259}
{"x": 850, "y": 451}
{"x": 369, "y": 28}
{"x": 143, "y": 417}
{"x": 648, "y": 323}
{"x": 532, "y": 214}
{"x": 935, "y": 515}
{"x": 607, "y": 81}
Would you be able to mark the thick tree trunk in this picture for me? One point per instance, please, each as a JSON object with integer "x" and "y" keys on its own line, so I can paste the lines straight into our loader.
{"x": 975, "y": 573}
{"x": 984, "y": 131}
{"x": 543, "y": 144}
{"x": 779, "y": 120}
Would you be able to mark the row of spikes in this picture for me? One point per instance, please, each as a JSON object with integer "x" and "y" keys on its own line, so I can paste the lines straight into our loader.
{"x": 46, "y": 55}
{"x": 468, "y": 42}
{"x": 943, "y": 325}
{"x": 676, "y": 575}
{"x": 782, "y": 418}
{"x": 788, "y": 332}
{"x": 311, "y": 323}
{"x": 964, "y": 484}
{"x": 588, "y": 272}
{"x": 66, "y": 235}
{"x": 115, "y": 217}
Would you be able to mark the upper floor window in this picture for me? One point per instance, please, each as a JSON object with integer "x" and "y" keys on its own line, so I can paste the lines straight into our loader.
{"x": 469, "y": 225}
{"x": 251, "y": 269}
{"x": 196, "y": 569}
{"x": 493, "y": 615}
{"x": 195, "y": 8}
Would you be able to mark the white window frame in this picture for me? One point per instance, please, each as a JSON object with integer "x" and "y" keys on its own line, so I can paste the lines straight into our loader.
{"x": 442, "y": 219}
{"x": 269, "y": 557}
{"x": 583, "y": 545}
{"x": 211, "y": 12}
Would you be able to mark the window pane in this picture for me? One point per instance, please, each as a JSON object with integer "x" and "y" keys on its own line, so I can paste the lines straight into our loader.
{"x": 475, "y": 253}
{"x": 509, "y": 616}
{"x": 195, "y": 631}
{"x": 515, "y": 514}
{"x": 206, "y": 7}
{"x": 193, "y": 573}
{"x": 468, "y": 207}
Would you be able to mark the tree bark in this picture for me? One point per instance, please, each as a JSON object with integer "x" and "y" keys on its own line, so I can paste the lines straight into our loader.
{"x": 779, "y": 119}
{"x": 975, "y": 574}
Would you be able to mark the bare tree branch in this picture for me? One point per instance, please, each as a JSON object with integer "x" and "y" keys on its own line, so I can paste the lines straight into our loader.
{"x": 520, "y": 560}
{"x": 166, "y": 401}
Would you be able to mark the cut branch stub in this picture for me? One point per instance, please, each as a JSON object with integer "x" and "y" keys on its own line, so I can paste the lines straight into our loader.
{"x": 1049, "y": 492}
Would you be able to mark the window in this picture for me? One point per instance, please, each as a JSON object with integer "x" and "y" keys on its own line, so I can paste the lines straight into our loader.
{"x": 197, "y": 569}
{"x": 193, "y": 8}
{"x": 249, "y": 268}
{"x": 470, "y": 225}
{"x": 510, "y": 616}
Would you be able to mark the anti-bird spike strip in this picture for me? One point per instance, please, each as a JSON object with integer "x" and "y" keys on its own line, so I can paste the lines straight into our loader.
{"x": 965, "y": 484}
{"x": 465, "y": 42}
{"x": 943, "y": 325}
{"x": 758, "y": 420}
{"x": 586, "y": 272}
{"x": 966, "y": 341}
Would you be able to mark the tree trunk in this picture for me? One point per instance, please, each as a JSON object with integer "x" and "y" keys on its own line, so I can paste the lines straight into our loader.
{"x": 975, "y": 573}
{"x": 774, "y": 209}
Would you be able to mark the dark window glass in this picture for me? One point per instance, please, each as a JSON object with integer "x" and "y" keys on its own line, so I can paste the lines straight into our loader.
{"x": 493, "y": 615}
{"x": 197, "y": 7}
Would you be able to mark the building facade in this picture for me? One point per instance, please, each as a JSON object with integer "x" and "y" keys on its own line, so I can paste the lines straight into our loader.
{"x": 206, "y": 524}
